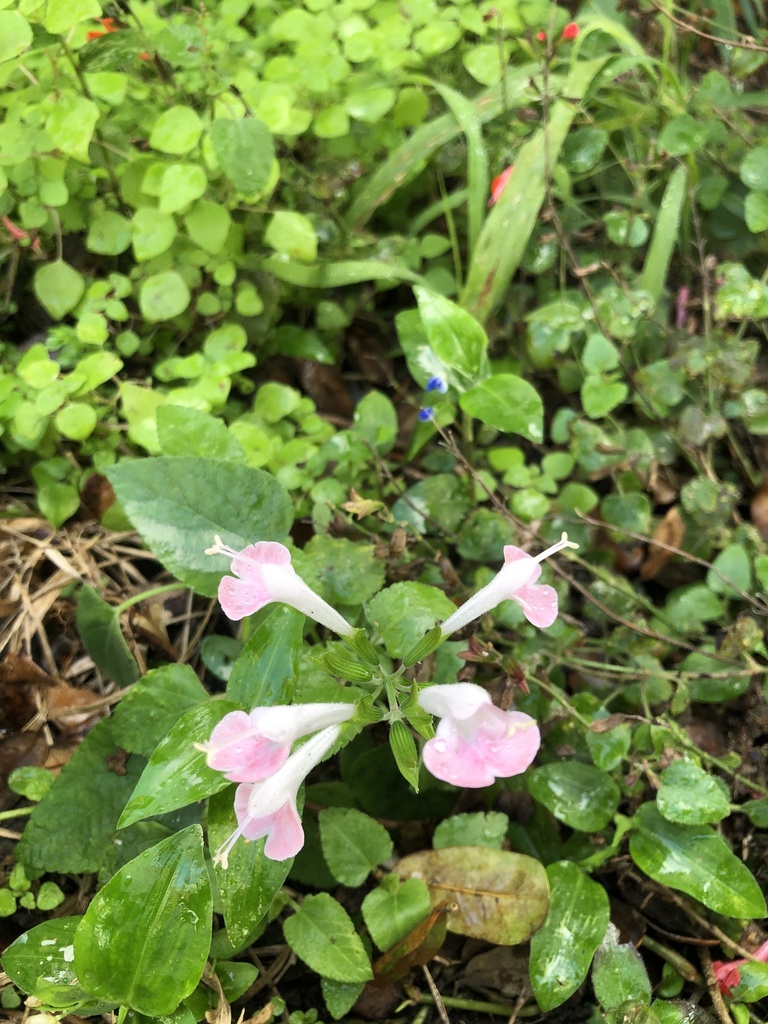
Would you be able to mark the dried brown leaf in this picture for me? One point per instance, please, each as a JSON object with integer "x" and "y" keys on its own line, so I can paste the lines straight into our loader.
{"x": 670, "y": 531}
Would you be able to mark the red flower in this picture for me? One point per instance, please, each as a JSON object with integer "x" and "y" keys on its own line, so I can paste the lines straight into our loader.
{"x": 541, "y": 36}
{"x": 727, "y": 972}
{"x": 499, "y": 183}
{"x": 571, "y": 30}
{"x": 108, "y": 25}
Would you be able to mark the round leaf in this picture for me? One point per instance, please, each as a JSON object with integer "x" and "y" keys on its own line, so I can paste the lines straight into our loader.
{"x": 577, "y": 794}
{"x": 689, "y": 796}
{"x": 58, "y": 288}
{"x": 293, "y": 235}
{"x": 153, "y": 233}
{"x": 404, "y": 612}
{"x": 176, "y": 131}
{"x": 15, "y": 34}
{"x": 163, "y": 296}
{"x": 353, "y": 844}
{"x": 76, "y": 421}
{"x": 245, "y": 151}
{"x": 499, "y": 896}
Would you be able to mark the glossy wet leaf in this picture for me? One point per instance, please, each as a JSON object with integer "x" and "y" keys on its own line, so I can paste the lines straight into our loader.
{"x": 579, "y": 795}
{"x": 177, "y": 774}
{"x": 499, "y": 896}
{"x": 562, "y": 949}
{"x": 144, "y": 939}
{"x": 404, "y": 612}
{"x": 175, "y": 504}
{"x": 41, "y": 963}
{"x": 509, "y": 403}
{"x": 265, "y": 671}
{"x": 150, "y": 710}
{"x": 478, "y": 829}
{"x": 323, "y": 935}
{"x": 251, "y": 881}
{"x": 690, "y": 796}
{"x": 456, "y": 338}
{"x": 695, "y": 860}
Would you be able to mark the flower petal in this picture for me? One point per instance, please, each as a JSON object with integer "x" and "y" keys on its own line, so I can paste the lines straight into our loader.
{"x": 451, "y": 757}
{"x": 509, "y": 740}
{"x": 455, "y": 700}
{"x": 264, "y": 552}
{"x": 286, "y": 836}
{"x": 539, "y": 603}
{"x": 239, "y": 598}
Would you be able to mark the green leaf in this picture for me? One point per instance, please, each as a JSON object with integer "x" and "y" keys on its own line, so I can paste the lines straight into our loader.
{"x": 733, "y": 564}
{"x": 353, "y": 844}
{"x": 30, "y": 781}
{"x": 756, "y": 211}
{"x": 40, "y": 963}
{"x": 292, "y": 234}
{"x": 456, "y": 338}
{"x": 562, "y": 949}
{"x": 690, "y": 796}
{"x": 58, "y": 288}
{"x": 265, "y": 672}
{"x": 619, "y": 973}
{"x": 109, "y": 234}
{"x": 163, "y": 296}
{"x": 181, "y": 185}
{"x": 176, "y": 505}
{"x": 71, "y": 827}
{"x": 15, "y": 34}
{"x": 376, "y": 421}
{"x": 71, "y": 123}
{"x": 754, "y": 168}
{"x": 697, "y": 861}
{"x": 176, "y": 131}
{"x": 600, "y": 395}
{"x": 682, "y": 135}
{"x": 599, "y": 355}
{"x": 510, "y": 224}
{"x": 153, "y": 233}
{"x": 665, "y": 234}
{"x": 76, "y": 421}
{"x": 208, "y": 225}
{"x": 62, "y": 15}
{"x": 322, "y": 934}
{"x": 577, "y": 794}
{"x": 177, "y": 773}
{"x": 394, "y": 909}
{"x": 185, "y": 431}
{"x": 98, "y": 624}
{"x": 404, "y": 612}
{"x": 508, "y": 403}
{"x": 340, "y": 996}
{"x": 251, "y": 881}
{"x": 479, "y": 829}
{"x": 245, "y": 152}
{"x": 150, "y": 710}
{"x": 144, "y": 939}
{"x": 349, "y": 571}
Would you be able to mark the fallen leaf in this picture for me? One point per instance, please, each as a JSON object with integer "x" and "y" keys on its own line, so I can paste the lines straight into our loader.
{"x": 758, "y": 509}
{"x": 670, "y": 531}
{"x": 416, "y": 948}
{"x": 495, "y": 895}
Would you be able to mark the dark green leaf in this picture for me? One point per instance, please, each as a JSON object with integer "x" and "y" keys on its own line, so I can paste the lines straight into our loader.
{"x": 507, "y": 403}
{"x": 177, "y": 504}
{"x": 265, "y": 672}
{"x": 98, "y": 624}
{"x": 578, "y": 794}
{"x": 353, "y": 844}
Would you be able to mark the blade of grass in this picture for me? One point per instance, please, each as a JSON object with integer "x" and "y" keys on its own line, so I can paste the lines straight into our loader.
{"x": 338, "y": 273}
{"x": 510, "y": 224}
{"x": 409, "y": 157}
{"x": 664, "y": 238}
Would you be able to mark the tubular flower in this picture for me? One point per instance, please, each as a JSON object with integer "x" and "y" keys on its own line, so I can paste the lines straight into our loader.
{"x": 516, "y": 580}
{"x": 727, "y": 973}
{"x": 251, "y": 747}
{"x": 265, "y": 574}
{"x": 476, "y": 742}
{"x": 269, "y": 808}
{"x": 499, "y": 183}
{"x": 108, "y": 24}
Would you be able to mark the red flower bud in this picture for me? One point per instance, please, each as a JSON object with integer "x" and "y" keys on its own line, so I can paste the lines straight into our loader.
{"x": 541, "y": 36}
{"x": 571, "y": 30}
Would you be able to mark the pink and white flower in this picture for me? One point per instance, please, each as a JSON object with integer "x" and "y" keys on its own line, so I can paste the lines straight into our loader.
{"x": 727, "y": 973}
{"x": 251, "y": 747}
{"x": 516, "y": 580}
{"x": 263, "y": 574}
{"x": 269, "y": 808}
{"x": 475, "y": 742}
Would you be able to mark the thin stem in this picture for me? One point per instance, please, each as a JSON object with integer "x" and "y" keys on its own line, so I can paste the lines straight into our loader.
{"x": 145, "y": 595}
{"x": 16, "y": 812}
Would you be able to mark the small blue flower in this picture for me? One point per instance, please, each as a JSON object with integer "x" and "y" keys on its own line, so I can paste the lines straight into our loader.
{"x": 426, "y": 414}
{"x": 437, "y": 384}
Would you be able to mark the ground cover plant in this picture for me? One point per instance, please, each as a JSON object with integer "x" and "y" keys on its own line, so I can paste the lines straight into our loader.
{"x": 382, "y": 407}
